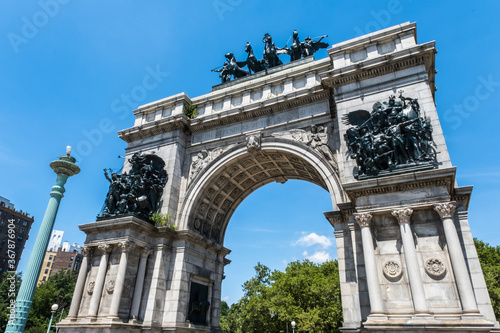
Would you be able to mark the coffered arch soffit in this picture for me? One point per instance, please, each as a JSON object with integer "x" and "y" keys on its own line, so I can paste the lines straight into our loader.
{"x": 216, "y": 192}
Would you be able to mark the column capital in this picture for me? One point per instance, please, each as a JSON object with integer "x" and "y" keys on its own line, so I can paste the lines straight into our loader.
{"x": 86, "y": 250}
{"x": 402, "y": 215}
{"x": 146, "y": 252}
{"x": 126, "y": 246}
{"x": 363, "y": 219}
{"x": 105, "y": 248}
{"x": 445, "y": 210}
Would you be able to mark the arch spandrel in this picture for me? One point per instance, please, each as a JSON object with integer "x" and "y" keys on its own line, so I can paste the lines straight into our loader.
{"x": 215, "y": 193}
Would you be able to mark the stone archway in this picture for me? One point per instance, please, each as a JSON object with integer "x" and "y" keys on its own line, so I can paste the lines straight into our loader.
{"x": 217, "y": 191}
{"x": 405, "y": 250}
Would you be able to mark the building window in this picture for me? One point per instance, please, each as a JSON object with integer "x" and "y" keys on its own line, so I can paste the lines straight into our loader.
{"x": 44, "y": 278}
{"x": 22, "y": 230}
{"x": 69, "y": 265}
{"x": 72, "y": 258}
{"x": 48, "y": 264}
{"x": 20, "y": 238}
{"x": 46, "y": 271}
{"x": 1, "y": 224}
{"x": 25, "y": 223}
{"x": 50, "y": 257}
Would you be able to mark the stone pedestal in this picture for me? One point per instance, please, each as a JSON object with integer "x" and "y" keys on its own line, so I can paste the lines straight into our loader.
{"x": 425, "y": 283}
{"x": 129, "y": 286}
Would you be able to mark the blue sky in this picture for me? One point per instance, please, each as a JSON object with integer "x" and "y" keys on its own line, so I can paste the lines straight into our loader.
{"x": 70, "y": 72}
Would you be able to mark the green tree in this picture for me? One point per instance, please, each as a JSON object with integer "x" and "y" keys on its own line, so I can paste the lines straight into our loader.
{"x": 307, "y": 293}
{"x": 489, "y": 257}
{"x": 230, "y": 317}
{"x": 8, "y": 291}
{"x": 58, "y": 289}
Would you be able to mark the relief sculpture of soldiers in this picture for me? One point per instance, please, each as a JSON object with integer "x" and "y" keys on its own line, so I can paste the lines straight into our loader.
{"x": 392, "y": 135}
{"x": 296, "y": 51}
{"x": 137, "y": 192}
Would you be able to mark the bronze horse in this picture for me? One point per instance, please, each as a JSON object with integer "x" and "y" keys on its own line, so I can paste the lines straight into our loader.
{"x": 252, "y": 63}
{"x": 234, "y": 67}
{"x": 270, "y": 52}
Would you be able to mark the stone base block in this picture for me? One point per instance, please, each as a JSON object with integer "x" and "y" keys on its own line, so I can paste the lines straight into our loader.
{"x": 428, "y": 323}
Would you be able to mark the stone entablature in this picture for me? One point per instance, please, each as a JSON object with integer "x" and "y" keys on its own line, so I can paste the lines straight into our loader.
{"x": 289, "y": 86}
{"x": 379, "y": 53}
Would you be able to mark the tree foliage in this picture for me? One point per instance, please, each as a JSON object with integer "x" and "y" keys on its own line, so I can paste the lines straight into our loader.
{"x": 8, "y": 291}
{"x": 58, "y": 289}
{"x": 489, "y": 257}
{"x": 306, "y": 293}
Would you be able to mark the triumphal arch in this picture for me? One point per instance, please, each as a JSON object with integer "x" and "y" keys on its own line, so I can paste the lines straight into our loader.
{"x": 361, "y": 123}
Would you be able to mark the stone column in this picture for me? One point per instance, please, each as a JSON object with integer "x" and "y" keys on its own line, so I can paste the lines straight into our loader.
{"x": 120, "y": 279}
{"x": 99, "y": 283}
{"x": 139, "y": 283}
{"x": 416, "y": 285}
{"x": 446, "y": 211}
{"x": 376, "y": 304}
{"x": 80, "y": 284}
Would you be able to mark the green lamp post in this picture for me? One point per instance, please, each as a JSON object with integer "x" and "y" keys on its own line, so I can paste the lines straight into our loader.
{"x": 65, "y": 167}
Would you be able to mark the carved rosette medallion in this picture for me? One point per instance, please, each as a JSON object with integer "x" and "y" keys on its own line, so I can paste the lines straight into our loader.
{"x": 197, "y": 224}
{"x": 435, "y": 267}
{"x": 403, "y": 215}
{"x": 392, "y": 270}
{"x": 111, "y": 286}
{"x": 445, "y": 210}
{"x": 90, "y": 287}
{"x": 105, "y": 248}
{"x": 363, "y": 219}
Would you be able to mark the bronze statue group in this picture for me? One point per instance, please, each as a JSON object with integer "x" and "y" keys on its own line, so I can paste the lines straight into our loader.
{"x": 296, "y": 51}
{"x": 137, "y": 192}
{"x": 392, "y": 135}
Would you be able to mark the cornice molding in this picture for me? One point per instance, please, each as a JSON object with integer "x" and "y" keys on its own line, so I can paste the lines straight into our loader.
{"x": 278, "y": 104}
{"x": 397, "y": 183}
{"x": 418, "y": 55}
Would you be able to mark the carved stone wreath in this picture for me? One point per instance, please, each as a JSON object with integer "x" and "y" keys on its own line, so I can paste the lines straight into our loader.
{"x": 111, "y": 286}
{"x": 127, "y": 285}
{"x": 435, "y": 267}
{"x": 90, "y": 287}
{"x": 392, "y": 270}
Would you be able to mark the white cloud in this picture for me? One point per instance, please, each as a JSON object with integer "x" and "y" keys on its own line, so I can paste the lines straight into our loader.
{"x": 226, "y": 298}
{"x": 318, "y": 257}
{"x": 314, "y": 239}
